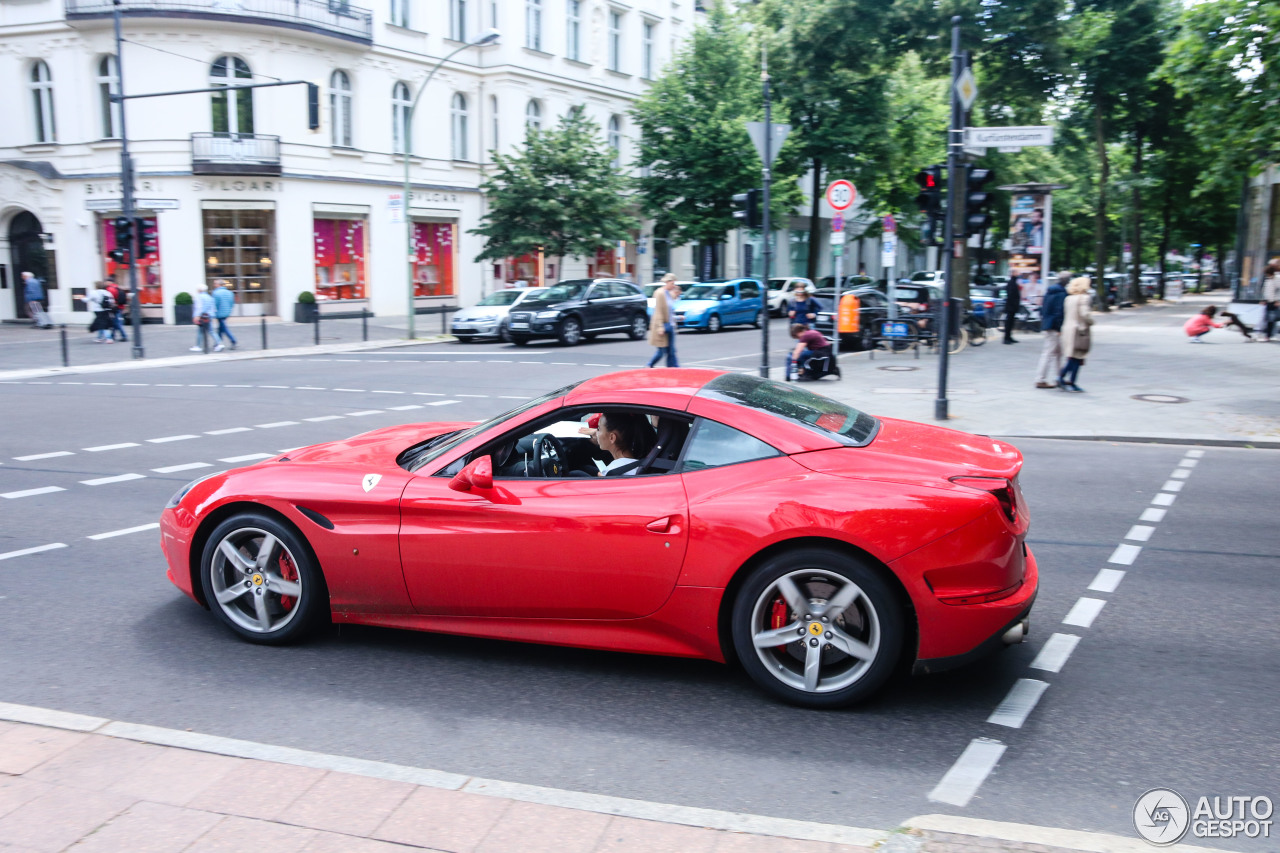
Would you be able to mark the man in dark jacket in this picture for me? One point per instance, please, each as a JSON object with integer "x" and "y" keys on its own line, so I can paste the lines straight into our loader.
{"x": 1012, "y": 302}
{"x": 33, "y": 295}
{"x": 1051, "y": 325}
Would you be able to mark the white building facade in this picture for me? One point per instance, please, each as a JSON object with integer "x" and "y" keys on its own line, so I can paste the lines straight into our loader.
{"x": 235, "y": 185}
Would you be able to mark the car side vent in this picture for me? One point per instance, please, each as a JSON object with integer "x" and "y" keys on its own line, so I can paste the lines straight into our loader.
{"x": 316, "y": 517}
{"x": 284, "y": 459}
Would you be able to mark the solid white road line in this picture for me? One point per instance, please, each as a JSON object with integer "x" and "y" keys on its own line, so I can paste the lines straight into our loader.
{"x": 443, "y": 402}
{"x": 110, "y": 534}
{"x": 1172, "y": 486}
{"x": 119, "y": 446}
{"x": 1140, "y": 533}
{"x": 34, "y": 456}
{"x": 1164, "y": 499}
{"x": 1018, "y": 703}
{"x": 1188, "y": 463}
{"x": 1125, "y": 554}
{"x": 971, "y": 769}
{"x": 119, "y": 478}
{"x": 228, "y": 430}
{"x": 275, "y": 424}
{"x": 1055, "y": 651}
{"x": 1180, "y": 473}
{"x": 1107, "y": 580}
{"x": 1083, "y": 612}
{"x": 27, "y": 493}
{"x": 169, "y": 438}
{"x": 36, "y": 550}
{"x": 1152, "y": 514}
{"x": 186, "y": 466}
{"x": 248, "y": 457}
{"x": 1195, "y": 454}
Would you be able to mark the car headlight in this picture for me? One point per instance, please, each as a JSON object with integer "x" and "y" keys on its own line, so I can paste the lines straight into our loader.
{"x": 547, "y": 315}
{"x": 182, "y": 493}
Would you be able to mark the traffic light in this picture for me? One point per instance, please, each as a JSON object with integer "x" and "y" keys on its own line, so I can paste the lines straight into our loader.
{"x": 313, "y": 106}
{"x": 977, "y": 201}
{"x": 930, "y": 203}
{"x": 148, "y": 237}
{"x": 748, "y": 209}
{"x": 124, "y": 240}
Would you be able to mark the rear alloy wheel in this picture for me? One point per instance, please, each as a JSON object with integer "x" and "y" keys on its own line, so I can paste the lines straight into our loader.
{"x": 713, "y": 324}
{"x": 817, "y": 628}
{"x": 570, "y": 331}
{"x": 639, "y": 327}
{"x": 760, "y": 318}
{"x": 261, "y": 581}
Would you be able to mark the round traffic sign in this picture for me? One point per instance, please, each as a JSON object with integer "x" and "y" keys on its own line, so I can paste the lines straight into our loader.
{"x": 841, "y": 195}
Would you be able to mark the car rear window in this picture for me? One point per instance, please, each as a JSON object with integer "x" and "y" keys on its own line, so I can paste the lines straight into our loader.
{"x": 822, "y": 414}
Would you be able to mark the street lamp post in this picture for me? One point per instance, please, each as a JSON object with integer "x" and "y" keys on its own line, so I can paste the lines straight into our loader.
{"x": 489, "y": 37}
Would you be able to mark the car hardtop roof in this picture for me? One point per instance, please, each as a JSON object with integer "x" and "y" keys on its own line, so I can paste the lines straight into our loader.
{"x": 682, "y": 381}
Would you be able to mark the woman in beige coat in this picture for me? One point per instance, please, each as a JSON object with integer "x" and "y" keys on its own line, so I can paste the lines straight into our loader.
{"x": 1076, "y": 337}
{"x": 662, "y": 327}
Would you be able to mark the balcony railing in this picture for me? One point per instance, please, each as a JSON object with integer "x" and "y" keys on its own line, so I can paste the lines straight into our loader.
{"x": 234, "y": 154}
{"x": 331, "y": 17}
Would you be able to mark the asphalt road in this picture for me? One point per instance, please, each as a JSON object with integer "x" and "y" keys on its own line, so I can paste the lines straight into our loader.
{"x": 1173, "y": 684}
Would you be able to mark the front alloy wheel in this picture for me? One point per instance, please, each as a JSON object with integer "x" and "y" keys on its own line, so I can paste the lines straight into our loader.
{"x": 639, "y": 327}
{"x": 817, "y": 628}
{"x": 570, "y": 331}
{"x": 713, "y": 324}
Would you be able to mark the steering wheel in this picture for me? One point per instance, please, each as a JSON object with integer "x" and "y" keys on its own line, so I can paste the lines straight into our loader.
{"x": 548, "y": 456}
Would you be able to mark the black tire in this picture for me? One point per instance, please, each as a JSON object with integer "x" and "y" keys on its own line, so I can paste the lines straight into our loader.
{"x": 520, "y": 340}
{"x": 504, "y": 333}
{"x": 760, "y": 315}
{"x": 570, "y": 333}
{"x": 714, "y": 324}
{"x": 639, "y": 327}
{"x": 247, "y": 594}
{"x": 873, "y": 622}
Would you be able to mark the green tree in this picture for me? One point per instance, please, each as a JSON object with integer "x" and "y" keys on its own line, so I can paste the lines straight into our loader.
{"x": 560, "y": 193}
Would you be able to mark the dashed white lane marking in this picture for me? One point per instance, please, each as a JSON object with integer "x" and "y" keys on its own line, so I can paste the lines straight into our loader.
{"x": 1172, "y": 486}
{"x": 366, "y": 412}
{"x": 1164, "y": 499}
{"x": 1180, "y": 473}
{"x": 443, "y": 402}
{"x": 388, "y": 392}
{"x": 321, "y": 418}
{"x": 275, "y": 424}
{"x": 1018, "y": 703}
{"x": 351, "y": 390}
{"x": 477, "y": 396}
{"x": 307, "y": 388}
{"x": 186, "y": 466}
{"x": 403, "y": 408}
{"x": 1083, "y": 612}
{"x": 1140, "y": 533}
{"x": 1188, "y": 463}
{"x": 228, "y": 430}
{"x": 427, "y": 394}
{"x": 34, "y": 456}
{"x": 237, "y": 386}
{"x": 29, "y": 493}
{"x": 969, "y": 772}
{"x": 121, "y": 446}
{"x": 9, "y": 555}
{"x": 110, "y": 534}
{"x": 511, "y": 397}
{"x": 1125, "y": 554}
{"x": 168, "y": 385}
{"x": 275, "y": 387}
{"x": 1152, "y": 514}
{"x": 202, "y": 386}
{"x": 1106, "y": 580}
{"x": 102, "y": 383}
{"x": 119, "y": 478}
{"x": 248, "y": 457}
{"x": 1195, "y": 454}
{"x": 70, "y": 383}
{"x": 169, "y": 438}
{"x": 1055, "y": 651}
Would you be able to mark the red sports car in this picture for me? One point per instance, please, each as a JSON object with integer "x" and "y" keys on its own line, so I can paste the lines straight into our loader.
{"x": 676, "y": 512}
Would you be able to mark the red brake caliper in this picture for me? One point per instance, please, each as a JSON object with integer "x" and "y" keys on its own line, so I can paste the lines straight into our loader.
{"x": 289, "y": 573}
{"x": 778, "y": 614}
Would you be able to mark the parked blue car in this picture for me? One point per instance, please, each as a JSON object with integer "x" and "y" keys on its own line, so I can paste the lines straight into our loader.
{"x": 712, "y": 305}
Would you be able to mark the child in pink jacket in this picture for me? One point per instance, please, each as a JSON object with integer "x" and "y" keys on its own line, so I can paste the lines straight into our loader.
{"x": 1199, "y": 325}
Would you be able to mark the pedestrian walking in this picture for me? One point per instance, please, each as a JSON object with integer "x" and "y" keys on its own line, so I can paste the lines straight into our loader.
{"x": 804, "y": 308}
{"x": 224, "y": 300}
{"x": 662, "y": 328}
{"x": 202, "y": 315}
{"x": 102, "y": 304}
{"x": 1201, "y": 324}
{"x": 1077, "y": 309}
{"x": 116, "y": 316}
{"x": 1051, "y": 331}
{"x": 1270, "y": 298}
{"x": 1012, "y": 302}
{"x": 33, "y": 295}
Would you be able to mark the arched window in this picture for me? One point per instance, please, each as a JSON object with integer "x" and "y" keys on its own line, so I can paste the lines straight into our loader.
{"x": 42, "y": 101}
{"x": 533, "y": 116}
{"x": 401, "y": 131}
{"x": 493, "y": 115}
{"x": 615, "y": 140}
{"x": 232, "y": 111}
{"x": 108, "y": 85}
{"x": 460, "y": 127}
{"x": 340, "y": 108}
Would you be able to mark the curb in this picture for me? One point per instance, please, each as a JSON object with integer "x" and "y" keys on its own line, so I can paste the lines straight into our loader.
{"x": 1025, "y": 833}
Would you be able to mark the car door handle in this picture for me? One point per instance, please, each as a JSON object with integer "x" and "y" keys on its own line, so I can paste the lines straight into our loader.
{"x": 666, "y": 524}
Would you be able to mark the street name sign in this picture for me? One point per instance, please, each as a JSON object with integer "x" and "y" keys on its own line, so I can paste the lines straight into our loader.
{"x": 755, "y": 129}
{"x": 841, "y": 195}
{"x": 982, "y": 137}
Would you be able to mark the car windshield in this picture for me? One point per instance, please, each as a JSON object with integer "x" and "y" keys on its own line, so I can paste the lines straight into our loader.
{"x": 501, "y": 297}
{"x": 703, "y": 291}
{"x": 650, "y": 289}
{"x": 922, "y": 276}
{"x": 821, "y": 414}
{"x": 414, "y": 458}
{"x": 562, "y": 292}
{"x": 777, "y": 284}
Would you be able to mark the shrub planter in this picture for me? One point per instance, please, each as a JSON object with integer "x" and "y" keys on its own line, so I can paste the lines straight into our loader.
{"x": 304, "y": 312}
{"x": 181, "y": 315}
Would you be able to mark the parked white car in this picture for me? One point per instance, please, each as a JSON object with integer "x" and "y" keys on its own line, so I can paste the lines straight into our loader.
{"x": 488, "y": 317}
{"x": 780, "y": 292}
{"x": 651, "y": 291}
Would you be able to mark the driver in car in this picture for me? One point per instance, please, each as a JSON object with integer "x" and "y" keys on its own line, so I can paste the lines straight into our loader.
{"x": 625, "y": 436}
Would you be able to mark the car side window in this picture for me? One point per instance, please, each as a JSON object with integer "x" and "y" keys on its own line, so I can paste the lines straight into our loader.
{"x": 749, "y": 290}
{"x": 714, "y": 445}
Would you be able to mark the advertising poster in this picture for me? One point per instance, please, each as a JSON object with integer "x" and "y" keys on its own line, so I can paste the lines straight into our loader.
{"x": 1028, "y": 243}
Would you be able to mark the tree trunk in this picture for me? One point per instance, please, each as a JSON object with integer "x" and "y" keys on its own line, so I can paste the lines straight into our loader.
{"x": 1166, "y": 223}
{"x": 1100, "y": 214}
{"x": 815, "y": 224}
{"x": 1135, "y": 275}
{"x": 1220, "y": 259}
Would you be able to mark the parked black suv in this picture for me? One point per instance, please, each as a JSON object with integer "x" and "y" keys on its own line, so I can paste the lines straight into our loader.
{"x": 581, "y": 308}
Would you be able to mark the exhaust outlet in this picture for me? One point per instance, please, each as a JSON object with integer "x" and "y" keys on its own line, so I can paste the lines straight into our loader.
{"x": 1017, "y": 634}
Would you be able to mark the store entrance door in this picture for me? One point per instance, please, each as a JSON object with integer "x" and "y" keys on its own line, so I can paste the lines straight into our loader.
{"x": 27, "y": 252}
{"x": 239, "y": 246}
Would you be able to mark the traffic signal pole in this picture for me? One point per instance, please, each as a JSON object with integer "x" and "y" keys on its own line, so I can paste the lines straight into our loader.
{"x": 957, "y": 184}
{"x": 126, "y": 204}
{"x": 765, "y": 224}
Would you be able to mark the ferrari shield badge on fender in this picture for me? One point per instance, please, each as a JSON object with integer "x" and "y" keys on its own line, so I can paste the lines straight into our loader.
{"x": 370, "y": 480}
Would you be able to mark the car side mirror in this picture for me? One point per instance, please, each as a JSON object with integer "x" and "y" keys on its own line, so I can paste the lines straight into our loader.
{"x": 724, "y": 296}
{"x": 477, "y": 475}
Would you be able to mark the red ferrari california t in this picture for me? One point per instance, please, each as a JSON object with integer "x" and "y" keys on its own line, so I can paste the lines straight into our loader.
{"x": 674, "y": 512}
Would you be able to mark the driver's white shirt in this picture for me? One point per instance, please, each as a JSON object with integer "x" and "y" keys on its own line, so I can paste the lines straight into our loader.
{"x": 618, "y": 463}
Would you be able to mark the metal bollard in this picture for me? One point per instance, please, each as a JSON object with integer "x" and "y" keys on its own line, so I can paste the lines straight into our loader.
{"x": 66, "y": 358}
{"x": 444, "y": 320}
{"x": 264, "y": 331}
{"x": 204, "y": 335}
{"x": 317, "y": 329}
{"x": 364, "y": 323}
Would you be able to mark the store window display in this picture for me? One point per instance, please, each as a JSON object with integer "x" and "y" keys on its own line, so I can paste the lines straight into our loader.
{"x": 340, "y": 258}
{"x": 433, "y": 258}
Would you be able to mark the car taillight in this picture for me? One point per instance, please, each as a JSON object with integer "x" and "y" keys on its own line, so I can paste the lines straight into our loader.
{"x": 1000, "y": 488}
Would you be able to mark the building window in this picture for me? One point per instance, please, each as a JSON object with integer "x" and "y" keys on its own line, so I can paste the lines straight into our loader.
{"x": 233, "y": 110}
{"x": 493, "y": 113}
{"x": 615, "y": 41}
{"x": 108, "y": 85}
{"x": 533, "y": 116}
{"x": 433, "y": 258}
{"x": 573, "y": 31}
{"x": 458, "y": 20}
{"x": 533, "y": 24}
{"x": 646, "y": 52}
{"x": 401, "y": 130}
{"x": 340, "y": 258}
{"x": 42, "y": 100}
{"x": 400, "y": 13}
{"x": 340, "y": 108}
{"x": 493, "y": 14}
{"x": 460, "y": 127}
{"x": 615, "y": 140}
